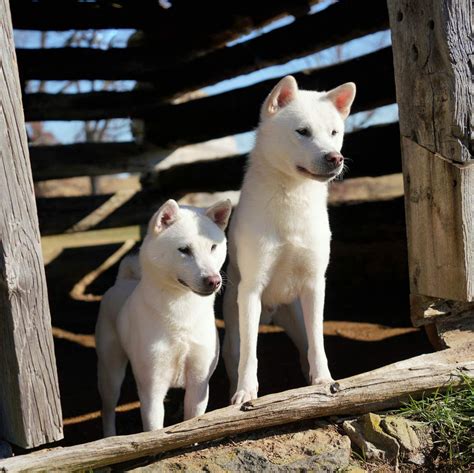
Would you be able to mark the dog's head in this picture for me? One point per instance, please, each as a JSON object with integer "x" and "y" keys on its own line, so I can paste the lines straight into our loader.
{"x": 301, "y": 131}
{"x": 185, "y": 248}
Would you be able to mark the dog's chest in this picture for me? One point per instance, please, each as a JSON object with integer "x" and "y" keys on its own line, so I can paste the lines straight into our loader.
{"x": 301, "y": 251}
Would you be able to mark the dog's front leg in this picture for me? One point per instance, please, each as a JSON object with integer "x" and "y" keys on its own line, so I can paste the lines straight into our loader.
{"x": 312, "y": 303}
{"x": 151, "y": 392}
{"x": 250, "y": 307}
{"x": 196, "y": 398}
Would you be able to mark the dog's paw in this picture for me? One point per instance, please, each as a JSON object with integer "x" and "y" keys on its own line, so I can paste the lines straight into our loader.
{"x": 243, "y": 395}
{"x": 321, "y": 380}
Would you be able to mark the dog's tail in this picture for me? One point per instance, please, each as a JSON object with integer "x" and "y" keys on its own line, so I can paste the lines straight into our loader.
{"x": 129, "y": 268}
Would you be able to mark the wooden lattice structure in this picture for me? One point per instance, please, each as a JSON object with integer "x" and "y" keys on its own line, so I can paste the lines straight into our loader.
{"x": 426, "y": 71}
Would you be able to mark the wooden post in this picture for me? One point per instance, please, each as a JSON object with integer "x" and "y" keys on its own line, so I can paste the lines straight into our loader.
{"x": 432, "y": 53}
{"x": 30, "y": 412}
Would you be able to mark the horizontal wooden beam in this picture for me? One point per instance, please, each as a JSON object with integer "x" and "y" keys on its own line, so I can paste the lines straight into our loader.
{"x": 373, "y": 151}
{"x": 183, "y": 31}
{"x": 363, "y": 147}
{"x": 91, "y": 159}
{"x": 219, "y": 115}
{"x": 380, "y": 389}
{"x": 58, "y": 214}
{"x": 306, "y": 35}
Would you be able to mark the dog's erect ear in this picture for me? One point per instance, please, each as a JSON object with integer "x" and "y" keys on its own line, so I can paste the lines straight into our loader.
{"x": 281, "y": 95}
{"x": 164, "y": 217}
{"x": 342, "y": 98}
{"x": 219, "y": 213}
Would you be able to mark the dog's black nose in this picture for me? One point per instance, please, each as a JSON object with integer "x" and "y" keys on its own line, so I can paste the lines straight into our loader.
{"x": 212, "y": 282}
{"x": 334, "y": 158}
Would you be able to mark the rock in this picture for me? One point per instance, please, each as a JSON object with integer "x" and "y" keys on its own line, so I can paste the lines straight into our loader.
{"x": 321, "y": 449}
{"x": 413, "y": 437}
{"x": 375, "y": 444}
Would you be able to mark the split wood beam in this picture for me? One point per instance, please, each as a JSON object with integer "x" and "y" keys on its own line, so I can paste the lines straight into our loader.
{"x": 30, "y": 411}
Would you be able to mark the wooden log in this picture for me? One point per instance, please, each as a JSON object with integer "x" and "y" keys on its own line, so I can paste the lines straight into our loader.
{"x": 435, "y": 103}
{"x": 30, "y": 411}
{"x": 58, "y": 214}
{"x": 373, "y": 151}
{"x": 433, "y": 50}
{"x": 185, "y": 30}
{"x": 228, "y": 113}
{"x": 381, "y": 389}
{"x": 91, "y": 159}
{"x": 305, "y": 36}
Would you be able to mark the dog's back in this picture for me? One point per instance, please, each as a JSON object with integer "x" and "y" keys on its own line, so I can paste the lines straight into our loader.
{"x": 129, "y": 268}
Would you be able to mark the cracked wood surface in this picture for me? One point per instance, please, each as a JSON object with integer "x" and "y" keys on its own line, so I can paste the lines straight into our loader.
{"x": 379, "y": 389}
{"x": 30, "y": 412}
{"x": 432, "y": 53}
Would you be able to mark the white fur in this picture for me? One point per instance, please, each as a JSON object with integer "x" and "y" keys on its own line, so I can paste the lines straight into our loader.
{"x": 160, "y": 314}
{"x": 279, "y": 237}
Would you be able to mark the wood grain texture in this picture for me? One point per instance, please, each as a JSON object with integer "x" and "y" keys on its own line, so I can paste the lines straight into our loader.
{"x": 380, "y": 389}
{"x": 439, "y": 201}
{"x": 433, "y": 50}
{"x": 30, "y": 412}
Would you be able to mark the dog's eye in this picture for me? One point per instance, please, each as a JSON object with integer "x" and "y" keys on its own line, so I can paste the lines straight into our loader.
{"x": 334, "y": 132}
{"x": 303, "y": 131}
{"x": 213, "y": 247}
{"x": 185, "y": 250}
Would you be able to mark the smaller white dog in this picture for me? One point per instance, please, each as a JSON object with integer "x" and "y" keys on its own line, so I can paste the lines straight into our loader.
{"x": 160, "y": 314}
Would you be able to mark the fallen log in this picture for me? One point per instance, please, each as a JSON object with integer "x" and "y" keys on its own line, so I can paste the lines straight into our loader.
{"x": 376, "y": 390}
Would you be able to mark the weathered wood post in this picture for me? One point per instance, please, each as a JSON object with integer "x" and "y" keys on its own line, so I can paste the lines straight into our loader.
{"x": 30, "y": 412}
{"x": 433, "y": 53}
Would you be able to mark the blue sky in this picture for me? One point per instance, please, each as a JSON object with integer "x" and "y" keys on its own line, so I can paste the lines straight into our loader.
{"x": 68, "y": 132}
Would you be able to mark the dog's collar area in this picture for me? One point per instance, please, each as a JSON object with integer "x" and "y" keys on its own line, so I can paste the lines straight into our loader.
{"x": 203, "y": 294}
{"x": 312, "y": 175}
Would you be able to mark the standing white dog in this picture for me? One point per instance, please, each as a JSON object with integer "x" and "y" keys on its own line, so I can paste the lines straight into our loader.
{"x": 279, "y": 236}
{"x": 160, "y": 314}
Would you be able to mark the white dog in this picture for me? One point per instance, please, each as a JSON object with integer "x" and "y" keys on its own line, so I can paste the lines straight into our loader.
{"x": 160, "y": 314}
{"x": 279, "y": 236}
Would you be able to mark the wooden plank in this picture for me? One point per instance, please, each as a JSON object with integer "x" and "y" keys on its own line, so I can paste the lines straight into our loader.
{"x": 60, "y": 214}
{"x": 30, "y": 412}
{"x": 440, "y": 224}
{"x": 363, "y": 147}
{"x": 304, "y": 36}
{"x": 91, "y": 159}
{"x": 380, "y": 389}
{"x": 185, "y": 30}
{"x": 227, "y": 113}
{"x": 95, "y": 159}
{"x": 433, "y": 48}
